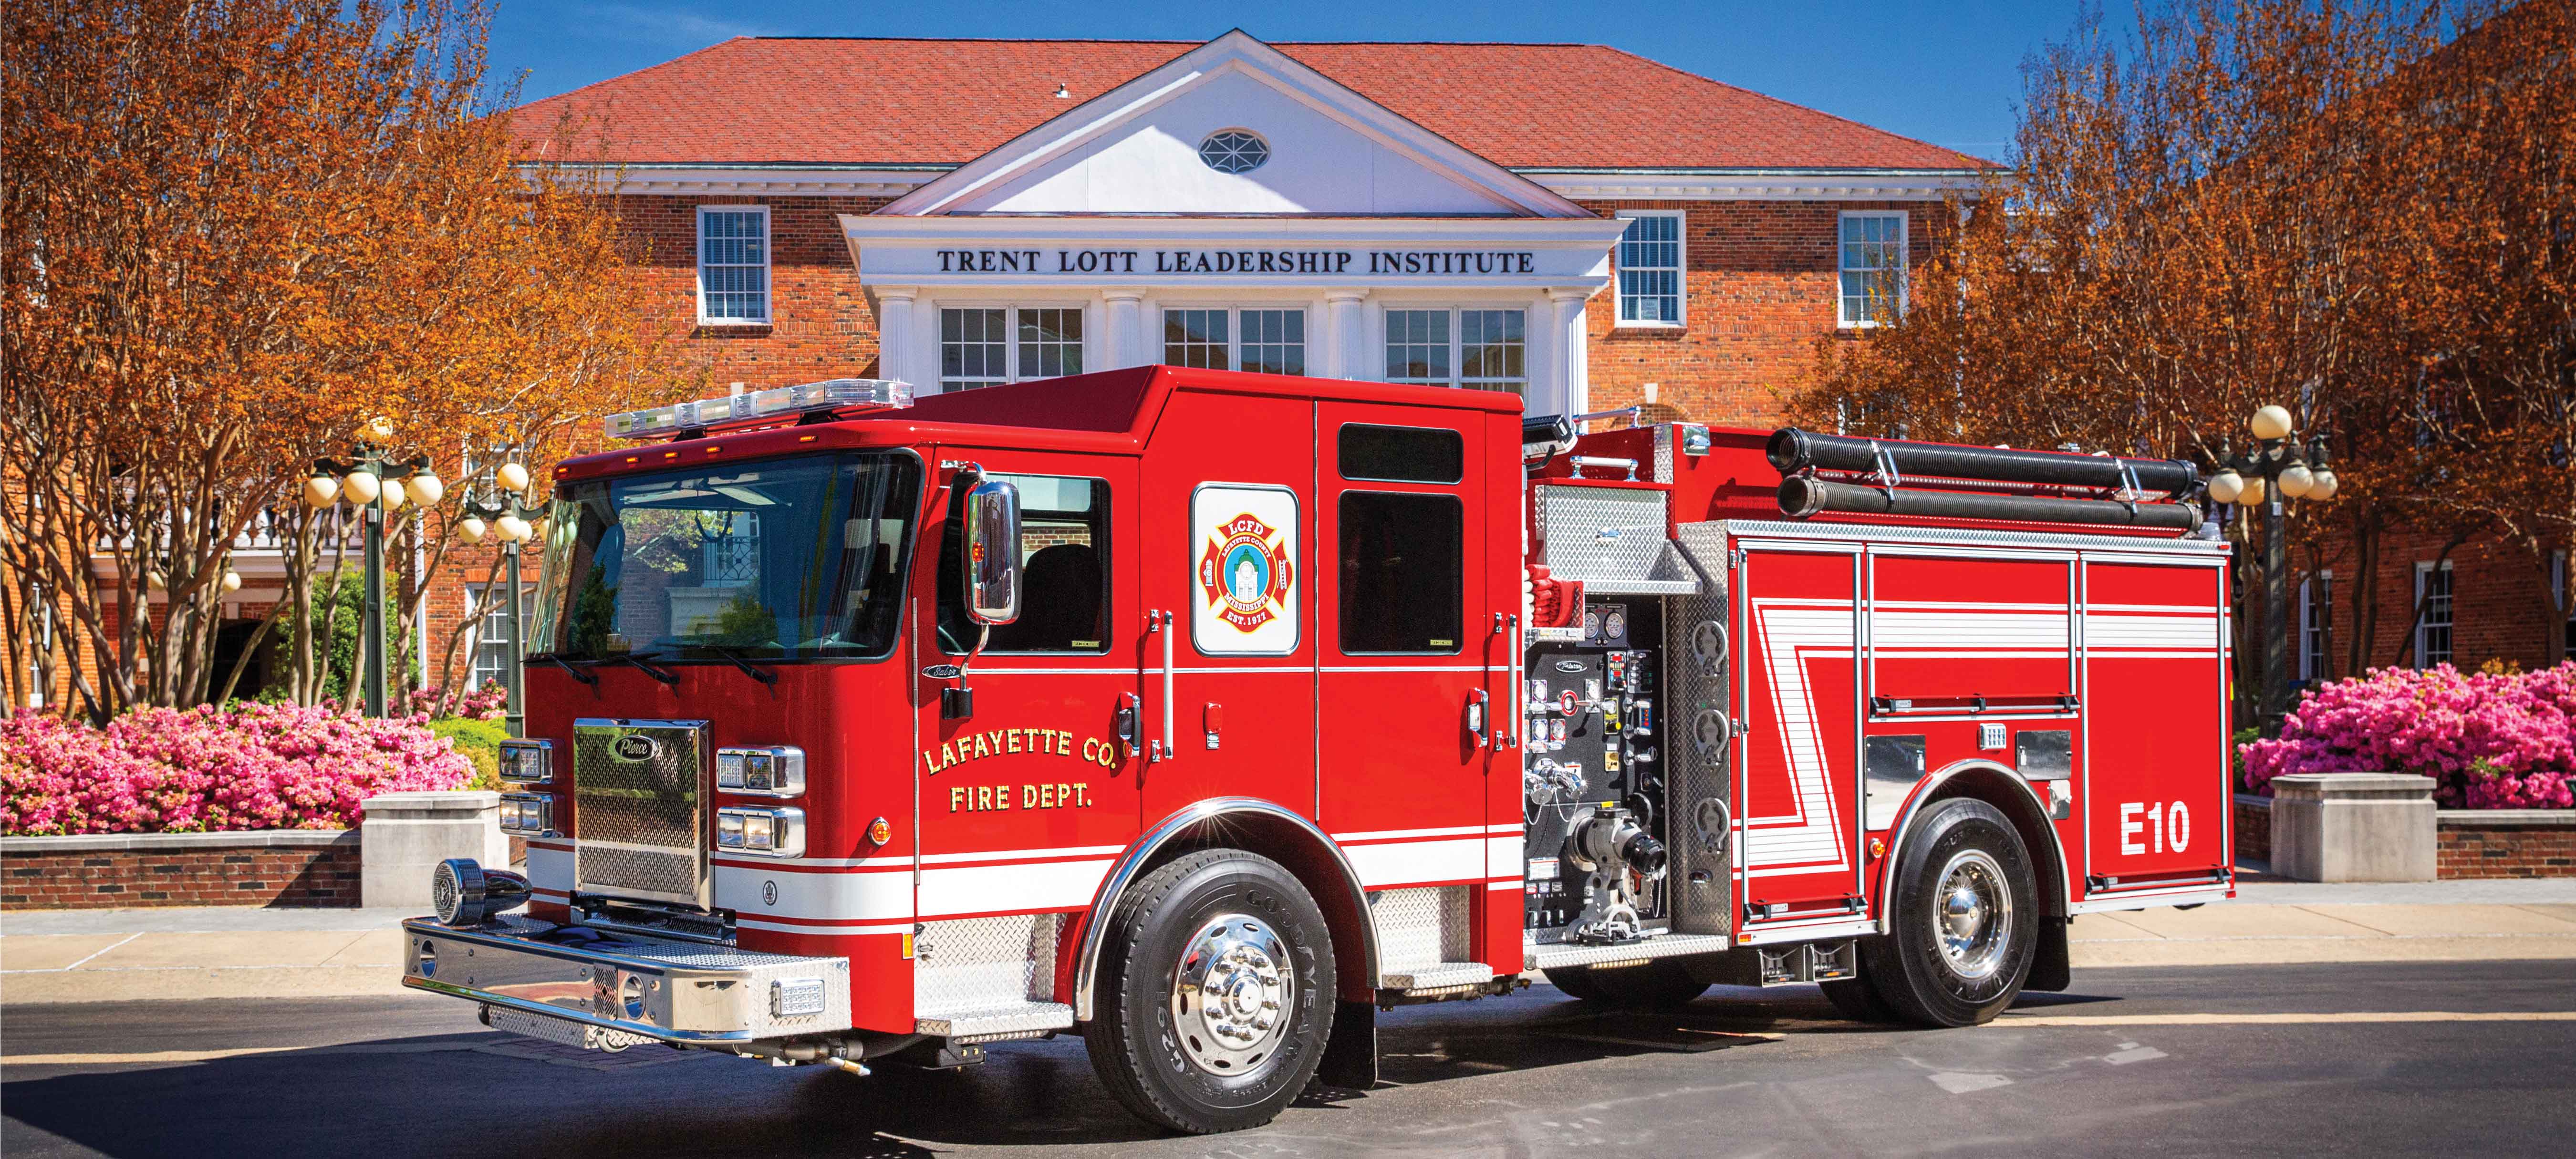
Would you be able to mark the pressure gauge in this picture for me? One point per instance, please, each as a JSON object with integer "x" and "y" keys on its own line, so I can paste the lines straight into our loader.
{"x": 1614, "y": 627}
{"x": 1591, "y": 624}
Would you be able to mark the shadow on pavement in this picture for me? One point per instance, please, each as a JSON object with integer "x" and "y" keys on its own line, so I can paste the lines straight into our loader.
{"x": 495, "y": 1094}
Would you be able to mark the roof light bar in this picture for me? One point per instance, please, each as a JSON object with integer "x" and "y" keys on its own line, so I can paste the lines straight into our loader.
{"x": 807, "y": 398}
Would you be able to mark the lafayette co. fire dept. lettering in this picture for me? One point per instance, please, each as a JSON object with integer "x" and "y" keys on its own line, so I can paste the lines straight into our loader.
{"x": 1001, "y": 742}
{"x": 1444, "y": 263}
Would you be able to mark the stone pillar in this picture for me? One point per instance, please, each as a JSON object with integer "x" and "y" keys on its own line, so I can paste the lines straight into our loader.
{"x": 1566, "y": 379}
{"x": 1345, "y": 346}
{"x": 406, "y": 835}
{"x": 896, "y": 339}
{"x": 2354, "y": 827}
{"x": 1125, "y": 331}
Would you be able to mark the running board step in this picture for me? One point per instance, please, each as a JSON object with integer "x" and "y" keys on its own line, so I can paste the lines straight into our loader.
{"x": 1559, "y": 955}
{"x": 1437, "y": 976}
{"x": 996, "y": 1023}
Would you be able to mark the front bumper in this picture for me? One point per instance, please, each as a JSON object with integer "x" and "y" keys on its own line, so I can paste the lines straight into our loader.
{"x": 670, "y": 990}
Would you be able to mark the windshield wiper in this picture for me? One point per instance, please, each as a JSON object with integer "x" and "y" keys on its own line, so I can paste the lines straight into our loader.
{"x": 762, "y": 675}
{"x": 639, "y": 659}
{"x": 566, "y": 665}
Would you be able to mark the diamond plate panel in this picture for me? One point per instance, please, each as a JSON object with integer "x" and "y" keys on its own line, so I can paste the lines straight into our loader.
{"x": 1612, "y": 539}
{"x": 984, "y": 963}
{"x": 1420, "y": 927}
{"x": 1696, "y": 663}
{"x": 640, "y": 818}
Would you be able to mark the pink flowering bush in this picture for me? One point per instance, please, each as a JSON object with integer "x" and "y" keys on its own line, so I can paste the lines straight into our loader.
{"x": 241, "y": 766}
{"x": 489, "y": 702}
{"x": 2489, "y": 740}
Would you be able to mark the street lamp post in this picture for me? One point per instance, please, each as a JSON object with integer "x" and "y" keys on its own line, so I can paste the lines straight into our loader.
{"x": 377, "y": 485}
{"x": 505, "y": 505}
{"x": 2273, "y": 470}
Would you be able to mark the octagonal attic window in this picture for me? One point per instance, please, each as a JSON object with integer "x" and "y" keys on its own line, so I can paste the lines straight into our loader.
{"x": 1234, "y": 151}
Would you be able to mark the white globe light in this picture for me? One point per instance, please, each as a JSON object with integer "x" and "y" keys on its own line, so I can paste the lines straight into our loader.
{"x": 2323, "y": 487}
{"x": 2253, "y": 492}
{"x": 361, "y": 486}
{"x": 392, "y": 496}
{"x": 2225, "y": 486}
{"x": 2272, "y": 422}
{"x": 380, "y": 428}
{"x": 321, "y": 491}
{"x": 512, "y": 477}
{"x": 2295, "y": 481}
{"x": 470, "y": 529}
{"x": 232, "y": 581}
{"x": 513, "y": 529}
{"x": 425, "y": 489}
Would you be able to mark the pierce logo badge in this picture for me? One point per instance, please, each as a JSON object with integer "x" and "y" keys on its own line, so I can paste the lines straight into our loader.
{"x": 635, "y": 747}
{"x": 1245, "y": 572}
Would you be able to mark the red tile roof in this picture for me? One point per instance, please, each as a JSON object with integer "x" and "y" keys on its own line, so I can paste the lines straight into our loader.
{"x": 837, "y": 101}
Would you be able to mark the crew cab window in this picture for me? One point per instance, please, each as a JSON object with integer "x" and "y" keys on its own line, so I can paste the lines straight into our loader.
{"x": 1064, "y": 570}
{"x": 1402, "y": 556}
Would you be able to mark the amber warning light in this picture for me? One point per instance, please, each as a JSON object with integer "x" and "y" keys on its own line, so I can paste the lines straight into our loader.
{"x": 808, "y": 398}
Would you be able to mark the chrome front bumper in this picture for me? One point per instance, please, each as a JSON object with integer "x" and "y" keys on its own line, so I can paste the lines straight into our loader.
{"x": 670, "y": 990}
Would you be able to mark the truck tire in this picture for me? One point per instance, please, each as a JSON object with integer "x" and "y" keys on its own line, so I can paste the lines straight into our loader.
{"x": 1659, "y": 984}
{"x": 1963, "y": 918}
{"x": 1215, "y": 994}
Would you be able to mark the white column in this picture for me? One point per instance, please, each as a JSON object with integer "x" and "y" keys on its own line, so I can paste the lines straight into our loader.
{"x": 1126, "y": 330}
{"x": 1566, "y": 387}
{"x": 1345, "y": 336}
{"x": 896, "y": 357}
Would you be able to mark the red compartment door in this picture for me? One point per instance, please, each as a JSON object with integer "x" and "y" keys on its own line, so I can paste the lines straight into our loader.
{"x": 1797, "y": 616}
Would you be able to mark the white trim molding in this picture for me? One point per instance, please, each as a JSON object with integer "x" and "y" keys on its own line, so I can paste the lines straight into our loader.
{"x": 895, "y": 181}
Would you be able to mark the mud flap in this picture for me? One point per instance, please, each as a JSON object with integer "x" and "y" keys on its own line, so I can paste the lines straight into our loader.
{"x": 1350, "y": 1057}
{"x": 2051, "y": 971}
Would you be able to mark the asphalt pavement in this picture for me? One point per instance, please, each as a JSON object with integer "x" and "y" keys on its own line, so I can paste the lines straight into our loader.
{"x": 2336, "y": 1058}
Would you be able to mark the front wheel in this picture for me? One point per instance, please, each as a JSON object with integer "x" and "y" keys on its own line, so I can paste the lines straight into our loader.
{"x": 1216, "y": 993}
{"x": 1963, "y": 919}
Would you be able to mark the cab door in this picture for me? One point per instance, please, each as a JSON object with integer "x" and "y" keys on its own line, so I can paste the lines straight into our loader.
{"x": 1411, "y": 650}
{"x": 1026, "y": 798}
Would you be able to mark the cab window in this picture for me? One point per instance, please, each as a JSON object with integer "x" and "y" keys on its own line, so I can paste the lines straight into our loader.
{"x": 1402, "y": 558}
{"x": 1064, "y": 570}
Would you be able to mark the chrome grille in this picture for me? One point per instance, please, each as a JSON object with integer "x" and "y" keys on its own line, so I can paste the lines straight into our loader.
{"x": 640, "y": 818}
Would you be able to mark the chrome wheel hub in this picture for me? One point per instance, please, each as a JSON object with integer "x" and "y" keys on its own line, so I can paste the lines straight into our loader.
{"x": 1231, "y": 995}
{"x": 1972, "y": 914}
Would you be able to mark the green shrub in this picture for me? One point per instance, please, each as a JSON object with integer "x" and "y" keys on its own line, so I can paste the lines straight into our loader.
{"x": 480, "y": 742}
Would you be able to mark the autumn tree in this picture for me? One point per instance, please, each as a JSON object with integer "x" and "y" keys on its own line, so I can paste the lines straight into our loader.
{"x": 238, "y": 230}
{"x": 2263, "y": 201}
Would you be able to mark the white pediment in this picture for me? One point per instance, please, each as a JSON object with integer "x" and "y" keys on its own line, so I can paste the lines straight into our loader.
{"x": 1134, "y": 150}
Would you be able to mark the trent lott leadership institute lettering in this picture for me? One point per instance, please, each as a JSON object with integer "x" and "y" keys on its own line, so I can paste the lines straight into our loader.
{"x": 1236, "y": 261}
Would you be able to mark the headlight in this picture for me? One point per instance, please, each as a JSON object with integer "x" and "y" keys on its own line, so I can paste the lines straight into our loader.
{"x": 774, "y": 771}
{"x": 527, "y": 762}
{"x": 766, "y": 832}
{"x": 527, "y": 814}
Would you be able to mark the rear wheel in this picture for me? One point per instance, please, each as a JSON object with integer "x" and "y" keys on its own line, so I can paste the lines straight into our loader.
{"x": 1216, "y": 993}
{"x": 1963, "y": 919}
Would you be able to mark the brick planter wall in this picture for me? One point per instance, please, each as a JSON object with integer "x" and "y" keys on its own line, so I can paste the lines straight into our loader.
{"x": 2253, "y": 827}
{"x": 285, "y": 867}
{"x": 2507, "y": 843}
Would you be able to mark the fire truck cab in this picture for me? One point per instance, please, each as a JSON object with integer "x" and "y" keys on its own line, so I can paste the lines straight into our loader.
{"x": 1207, "y": 714}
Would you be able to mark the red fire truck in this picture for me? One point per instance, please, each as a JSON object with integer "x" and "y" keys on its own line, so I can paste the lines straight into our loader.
{"x": 1208, "y": 714}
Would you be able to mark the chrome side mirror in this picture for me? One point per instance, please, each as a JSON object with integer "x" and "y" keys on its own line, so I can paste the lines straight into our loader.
{"x": 993, "y": 552}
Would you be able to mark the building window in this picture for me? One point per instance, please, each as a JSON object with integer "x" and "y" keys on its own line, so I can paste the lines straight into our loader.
{"x": 2558, "y": 592}
{"x": 1064, "y": 571}
{"x": 2433, "y": 628}
{"x": 1477, "y": 349}
{"x": 493, "y": 637}
{"x": 1402, "y": 571}
{"x": 983, "y": 346}
{"x": 1262, "y": 341}
{"x": 1873, "y": 268}
{"x": 2316, "y": 605}
{"x": 1234, "y": 151}
{"x": 733, "y": 265}
{"x": 1650, "y": 268}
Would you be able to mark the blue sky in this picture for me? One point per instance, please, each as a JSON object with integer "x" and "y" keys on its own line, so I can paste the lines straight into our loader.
{"x": 1949, "y": 74}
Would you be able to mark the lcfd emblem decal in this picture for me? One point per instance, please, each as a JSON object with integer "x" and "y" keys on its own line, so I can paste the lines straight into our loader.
{"x": 1245, "y": 572}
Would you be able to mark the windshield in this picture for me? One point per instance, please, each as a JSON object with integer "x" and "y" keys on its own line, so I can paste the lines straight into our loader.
{"x": 792, "y": 560}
